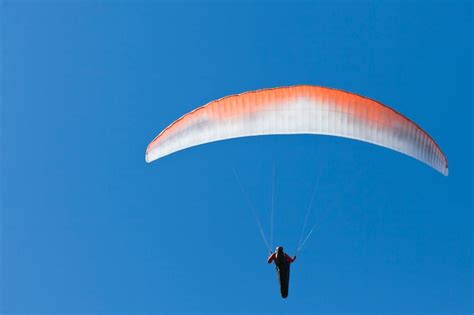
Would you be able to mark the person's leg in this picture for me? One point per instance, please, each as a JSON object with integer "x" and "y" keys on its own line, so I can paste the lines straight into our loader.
{"x": 284, "y": 277}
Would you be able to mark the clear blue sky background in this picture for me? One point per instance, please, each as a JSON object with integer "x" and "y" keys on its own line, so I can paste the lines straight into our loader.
{"x": 88, "y": 226}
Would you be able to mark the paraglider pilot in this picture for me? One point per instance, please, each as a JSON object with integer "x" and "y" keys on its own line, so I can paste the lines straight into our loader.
{"x": 282, "y": 263}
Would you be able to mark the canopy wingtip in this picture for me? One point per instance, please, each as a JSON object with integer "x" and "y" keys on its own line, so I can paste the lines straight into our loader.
{"x": 147, "y": 158}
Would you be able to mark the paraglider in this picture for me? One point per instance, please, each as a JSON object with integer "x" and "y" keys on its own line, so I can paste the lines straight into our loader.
{"x": 301, "y": 109}
{"x": 282, "y": 263}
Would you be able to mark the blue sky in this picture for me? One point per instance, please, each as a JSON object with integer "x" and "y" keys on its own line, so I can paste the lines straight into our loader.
{"x": 88, "y": 227}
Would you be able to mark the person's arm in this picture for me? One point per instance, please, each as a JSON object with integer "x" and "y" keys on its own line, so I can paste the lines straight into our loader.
{"x": 271, "y": 258}
{"x": 289, "y": 259}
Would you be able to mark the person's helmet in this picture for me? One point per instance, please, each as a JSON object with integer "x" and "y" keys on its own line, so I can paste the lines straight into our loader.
{"x": 279, "y": 249}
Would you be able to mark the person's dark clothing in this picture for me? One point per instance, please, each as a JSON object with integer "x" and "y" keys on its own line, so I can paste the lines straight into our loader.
{"x": 282, "y": 263}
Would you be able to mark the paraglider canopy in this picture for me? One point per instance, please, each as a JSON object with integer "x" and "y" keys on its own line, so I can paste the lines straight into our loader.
{"x": 301, "y": 109}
